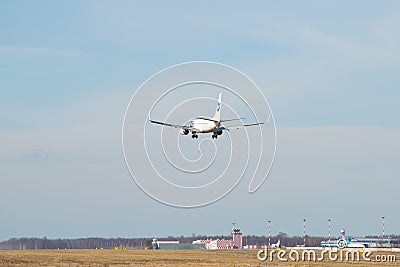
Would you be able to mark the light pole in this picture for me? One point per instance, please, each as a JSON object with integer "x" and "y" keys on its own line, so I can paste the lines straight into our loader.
{"x": 233, "y": 228}
{"x": 383, "y": 230}
{"x": 329, "y": 232}
{"x": 304, "y": 228}
{"x": 269, "y": 233}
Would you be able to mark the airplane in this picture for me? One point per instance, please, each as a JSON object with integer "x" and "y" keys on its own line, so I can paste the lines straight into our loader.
{"x": 205, "y": 124}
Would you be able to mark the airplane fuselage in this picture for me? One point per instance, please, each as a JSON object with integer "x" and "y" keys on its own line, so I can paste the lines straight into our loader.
{"x": 200, "y": 125}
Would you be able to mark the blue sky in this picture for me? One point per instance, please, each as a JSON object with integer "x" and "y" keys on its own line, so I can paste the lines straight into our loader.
{"x": 330, "y": 70}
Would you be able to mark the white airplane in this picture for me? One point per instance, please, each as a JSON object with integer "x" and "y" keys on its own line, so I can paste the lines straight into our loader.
{"x": 206, "y": 125}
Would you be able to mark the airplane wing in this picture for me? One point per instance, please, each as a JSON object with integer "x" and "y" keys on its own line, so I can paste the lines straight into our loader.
{"x": 242, "y": 125}
{"x": 186, "y": 127}
{"x": 238, "y": 119}
{"x": 170, "y": 125}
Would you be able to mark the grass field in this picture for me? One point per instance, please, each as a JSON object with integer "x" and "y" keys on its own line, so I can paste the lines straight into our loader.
{"x": 158, "y": 258}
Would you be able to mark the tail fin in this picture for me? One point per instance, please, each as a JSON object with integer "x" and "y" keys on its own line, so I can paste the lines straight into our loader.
{"x": 217, "y": 115}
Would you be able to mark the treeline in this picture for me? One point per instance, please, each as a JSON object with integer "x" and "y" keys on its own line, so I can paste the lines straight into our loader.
{"x": 141, "y": 243}
{"x": 80, "y": 243}
{"x": 289, "y": 241}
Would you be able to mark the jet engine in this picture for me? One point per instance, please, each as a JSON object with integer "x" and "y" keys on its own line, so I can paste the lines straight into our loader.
{"x": 184, "y": 132}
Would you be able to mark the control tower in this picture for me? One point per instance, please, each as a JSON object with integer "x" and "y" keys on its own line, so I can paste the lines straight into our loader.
{"x": 237, "y": 239}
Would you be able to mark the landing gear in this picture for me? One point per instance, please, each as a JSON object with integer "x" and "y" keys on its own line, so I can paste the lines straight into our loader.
{"x": 217, "y": 132}
{"x": 194, "y": 135}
